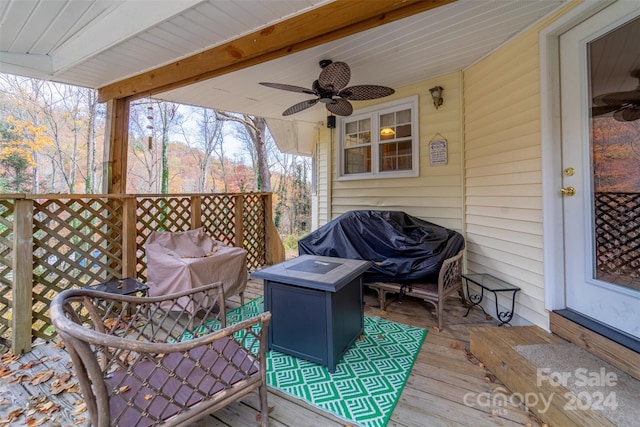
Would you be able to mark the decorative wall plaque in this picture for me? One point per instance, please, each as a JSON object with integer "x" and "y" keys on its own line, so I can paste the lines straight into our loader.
{"x": 438, "y": 151}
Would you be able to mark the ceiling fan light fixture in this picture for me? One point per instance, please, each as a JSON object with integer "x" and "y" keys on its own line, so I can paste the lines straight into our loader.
{"x": 387, "y": 132}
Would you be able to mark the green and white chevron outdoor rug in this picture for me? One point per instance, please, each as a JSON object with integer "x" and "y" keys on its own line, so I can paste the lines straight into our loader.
{"x": 368, "y": 380}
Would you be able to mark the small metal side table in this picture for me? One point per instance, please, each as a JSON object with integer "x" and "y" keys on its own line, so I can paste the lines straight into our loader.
{"x": 487, "y": 282}
{"x": 126, "y": 286}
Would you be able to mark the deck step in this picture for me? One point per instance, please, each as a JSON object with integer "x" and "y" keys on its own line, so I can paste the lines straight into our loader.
{"x": 494, "y": 347}
{"x": 619, "y": 354}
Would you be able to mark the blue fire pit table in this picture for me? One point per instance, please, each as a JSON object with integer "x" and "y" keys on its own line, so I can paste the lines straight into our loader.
{"x": 316, "y": 306}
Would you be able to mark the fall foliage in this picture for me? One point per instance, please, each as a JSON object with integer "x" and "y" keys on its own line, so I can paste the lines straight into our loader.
{"x": 52, "y": 141}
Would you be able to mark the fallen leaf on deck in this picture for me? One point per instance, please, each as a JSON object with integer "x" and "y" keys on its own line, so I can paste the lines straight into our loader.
{"x": 269, "y": 410}
{"x": 19, "y": 379}
{"x": 383, "y": 313}
{"x": 58, "y": 386}
{"x": 80, "y": 408}
{"x": 436, "y": 329}
{"x": 471, "y": 358}
{"x": 32, "y": 422}
{"x": 30, "y": 364}
{"x": 64, "y": 377}
{"x": 12, "y": 416}
{"x": 79, "y": 421}
{"x": 59, "y": 344}
{"x": 48, "y": 407}
{"x": 124, "y": 389}
{"x": 454, "y": 345}
{"x": 42, "y": 377}
{"x": 62, "y": 383}
{"x": 490, "y": 378}
{"x": 110, "y": 323}
{"x": 148, "y": 396}
{"x": 10, "y": 358}
{"x": 5, "y": 371}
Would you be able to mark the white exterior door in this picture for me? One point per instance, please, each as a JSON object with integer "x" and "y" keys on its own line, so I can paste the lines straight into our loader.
{"x": 601, "y": 162}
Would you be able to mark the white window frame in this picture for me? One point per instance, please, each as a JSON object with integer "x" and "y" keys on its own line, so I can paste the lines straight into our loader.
{"x": 374, "y": 114}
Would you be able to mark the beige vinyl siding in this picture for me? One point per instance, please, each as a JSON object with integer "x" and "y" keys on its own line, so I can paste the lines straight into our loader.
{"x": 436, "y": 194}
{"x": 321, "y": 200}
{"x": 503, "y": 171}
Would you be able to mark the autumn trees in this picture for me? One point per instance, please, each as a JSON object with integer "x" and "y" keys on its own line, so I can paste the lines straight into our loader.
{"x": 52, "y": 137}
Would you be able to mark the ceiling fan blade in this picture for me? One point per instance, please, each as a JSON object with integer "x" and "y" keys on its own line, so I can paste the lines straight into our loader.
{"x": 334, "y": 76}
{"x": 603, "y": 109}
{"x": 364, "y": 92}
{"x": 300, "y": 106}
{"x": 340, "y": 107}
{"x": 618, "y": 98}
{"x": 627, "y": 114}
{"x": 290, "y": 88}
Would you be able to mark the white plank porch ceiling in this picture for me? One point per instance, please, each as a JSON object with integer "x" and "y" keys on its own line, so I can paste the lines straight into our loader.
{"x": 94, "y": 43}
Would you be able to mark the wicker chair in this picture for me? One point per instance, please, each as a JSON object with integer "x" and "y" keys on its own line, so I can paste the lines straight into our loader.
{"x": 449, "y": 282}
{"x": 170, "y": 360}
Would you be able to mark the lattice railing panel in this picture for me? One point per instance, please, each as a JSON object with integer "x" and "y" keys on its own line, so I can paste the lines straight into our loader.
{"x": 75, "y": 242}
{"x": 617, "y": 218}
{"x": 254, "y": 230}
{"x": 80, "y": 240}
{"x": 218, "y": 217}
{"x": 159, "y": 213}
{"x": 6, "y": 260}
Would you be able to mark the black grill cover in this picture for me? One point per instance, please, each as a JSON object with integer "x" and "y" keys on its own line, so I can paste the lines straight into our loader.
{"x": 402, "y": 247}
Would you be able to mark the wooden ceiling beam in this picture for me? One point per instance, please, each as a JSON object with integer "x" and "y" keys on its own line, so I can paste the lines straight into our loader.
{"x": 327, "y": 23}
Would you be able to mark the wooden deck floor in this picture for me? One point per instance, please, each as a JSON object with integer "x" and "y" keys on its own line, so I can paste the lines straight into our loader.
{"x": 447, "y": 387}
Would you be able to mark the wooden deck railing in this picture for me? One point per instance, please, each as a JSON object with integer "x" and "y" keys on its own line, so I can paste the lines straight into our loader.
{"x": 49, "y": 243}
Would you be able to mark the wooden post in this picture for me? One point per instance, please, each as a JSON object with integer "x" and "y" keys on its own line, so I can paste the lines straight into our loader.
{"x": 22, "y": 276}
{"x": 239, "y": 220}
{"x": 129, "y": 236}
{"x": 116, "y": 137}
{"x": 274, "y": 249}
{"x": 196, "y": 211}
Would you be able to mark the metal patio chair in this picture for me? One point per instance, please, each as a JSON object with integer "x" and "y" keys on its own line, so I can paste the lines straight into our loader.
{"x": 167, "y": 360}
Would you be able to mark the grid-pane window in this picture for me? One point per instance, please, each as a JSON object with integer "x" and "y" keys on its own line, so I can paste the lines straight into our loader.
{"x": 395, "y": 137}
{"x": 380, "y": 143}
{"x": 357, "y": 160}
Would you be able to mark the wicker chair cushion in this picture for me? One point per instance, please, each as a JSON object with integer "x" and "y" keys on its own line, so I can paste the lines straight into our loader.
{"x": 150, "y": 383}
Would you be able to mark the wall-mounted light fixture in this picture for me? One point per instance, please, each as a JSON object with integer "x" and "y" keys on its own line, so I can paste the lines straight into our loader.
{"x": 387, "y": 132}
{"x": 436, "y": 94}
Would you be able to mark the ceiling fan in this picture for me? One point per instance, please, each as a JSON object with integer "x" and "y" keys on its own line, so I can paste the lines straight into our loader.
{"x": 330, "y": 90}
{"x": 624, "y": 105}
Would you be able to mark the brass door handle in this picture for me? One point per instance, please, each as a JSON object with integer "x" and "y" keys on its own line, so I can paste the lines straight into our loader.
{"x": 569, "y": 191}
